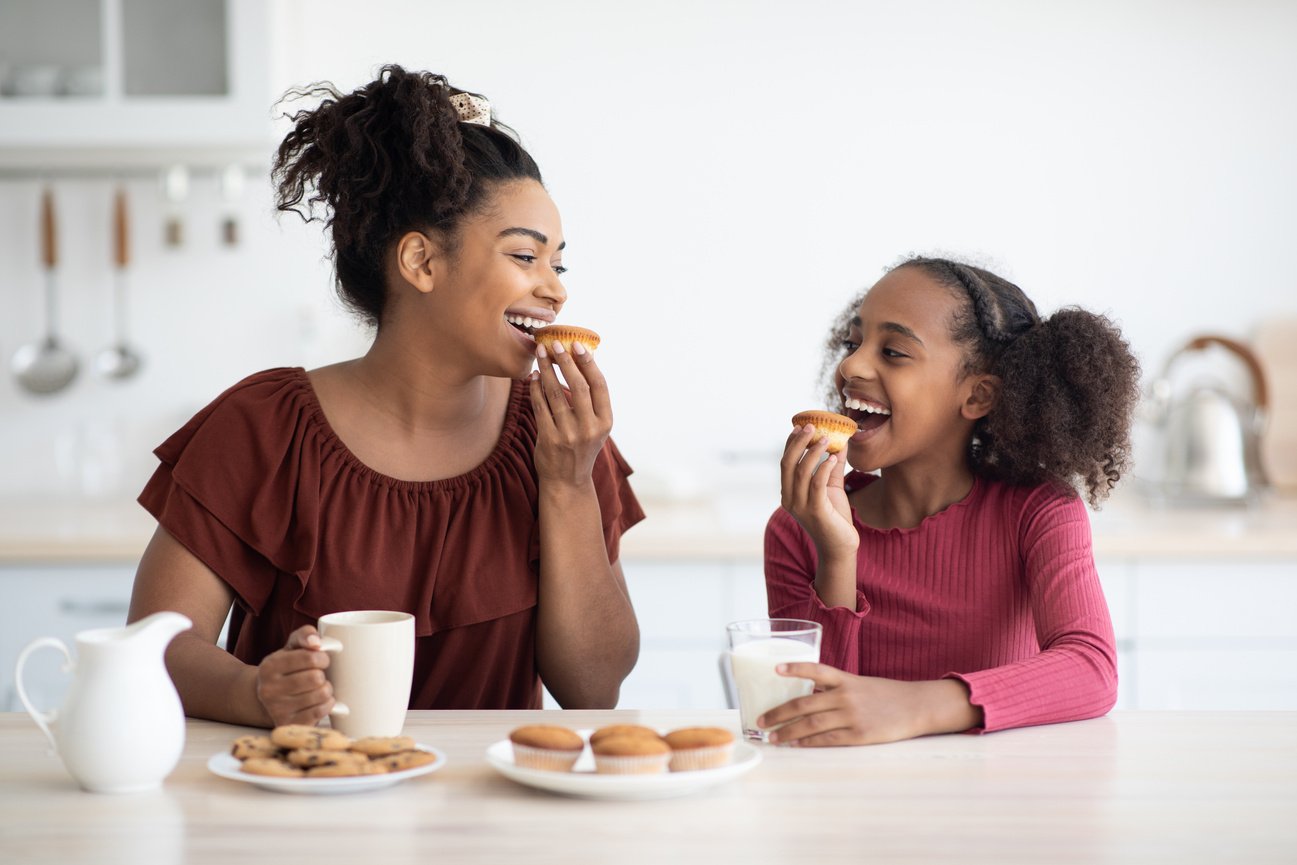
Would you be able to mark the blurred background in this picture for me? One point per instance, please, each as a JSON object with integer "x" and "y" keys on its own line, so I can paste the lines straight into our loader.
{"x": 729, "y": 174}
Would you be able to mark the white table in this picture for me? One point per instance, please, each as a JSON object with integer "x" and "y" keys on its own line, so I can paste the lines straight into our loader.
{"x": 1133, "y": 787}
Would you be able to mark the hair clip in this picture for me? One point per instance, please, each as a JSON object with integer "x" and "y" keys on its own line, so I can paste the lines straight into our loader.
{"x": 472, "y": 109}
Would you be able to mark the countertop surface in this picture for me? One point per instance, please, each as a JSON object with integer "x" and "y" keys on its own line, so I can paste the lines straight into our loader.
{"x": 1132, "y": 787}
{"x": 116, "y": 532}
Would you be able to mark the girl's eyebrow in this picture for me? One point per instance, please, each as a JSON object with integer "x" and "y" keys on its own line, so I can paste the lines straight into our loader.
{"x": 529, "y": 232}
{"x": 891, "y": 327}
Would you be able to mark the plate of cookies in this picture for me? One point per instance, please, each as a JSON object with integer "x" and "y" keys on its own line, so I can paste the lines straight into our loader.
{"x": 296, "y": 758}
{"x": 623, "y": 761}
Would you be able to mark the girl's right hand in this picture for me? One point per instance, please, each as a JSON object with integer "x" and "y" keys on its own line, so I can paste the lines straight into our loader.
{"x": 814, "y": 493}
{"x": 291, "y": 684}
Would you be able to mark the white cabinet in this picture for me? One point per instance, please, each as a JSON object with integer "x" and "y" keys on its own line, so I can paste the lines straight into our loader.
{"x": 54, "y": 601}
{"x": 121, "y": 83}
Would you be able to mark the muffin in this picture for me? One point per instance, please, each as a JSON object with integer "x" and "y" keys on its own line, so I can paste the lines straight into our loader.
{"x": 631, "y": 755}
{"x": 542, "y": 746}
{"x": 622, "y": 730}
{"x": 567, "y": 334}
{"x": 700, "y": 748}
{"x": 837, "y": 428}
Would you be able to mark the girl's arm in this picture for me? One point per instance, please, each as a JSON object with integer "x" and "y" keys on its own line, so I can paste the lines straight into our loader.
{"x": 587, "y": 636}
{"x": 287, "y": 688}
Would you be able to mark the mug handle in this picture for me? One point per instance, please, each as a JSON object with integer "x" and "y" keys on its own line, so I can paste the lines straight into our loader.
{"x": 333, "y": 644}
{"x": 42, "y": 719}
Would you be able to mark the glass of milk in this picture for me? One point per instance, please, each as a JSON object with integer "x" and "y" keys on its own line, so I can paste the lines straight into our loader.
{"x": 756, "y": 647}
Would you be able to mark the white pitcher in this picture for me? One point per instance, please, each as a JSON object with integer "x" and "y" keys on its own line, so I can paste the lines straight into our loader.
{"x": 121, "y": 728}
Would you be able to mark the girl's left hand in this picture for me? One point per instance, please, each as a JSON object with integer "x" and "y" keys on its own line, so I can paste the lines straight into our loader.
{"x": 573, "y": 426}
{"x": 866, "y": 710}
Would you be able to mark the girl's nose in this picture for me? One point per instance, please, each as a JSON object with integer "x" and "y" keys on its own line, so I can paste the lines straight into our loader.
{"x": 856, "y": 365}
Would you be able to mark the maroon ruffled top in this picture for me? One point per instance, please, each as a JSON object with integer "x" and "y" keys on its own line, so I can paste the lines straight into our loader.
{"x": 259, "y": 487}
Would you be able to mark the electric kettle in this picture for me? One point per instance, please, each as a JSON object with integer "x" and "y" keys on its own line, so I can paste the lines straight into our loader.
{"x": 1211, "y": 438}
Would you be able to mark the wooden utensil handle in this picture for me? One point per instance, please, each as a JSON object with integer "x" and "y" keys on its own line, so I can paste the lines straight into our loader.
{"x": 121, "y": 231}
{"x": 49, "y": 241}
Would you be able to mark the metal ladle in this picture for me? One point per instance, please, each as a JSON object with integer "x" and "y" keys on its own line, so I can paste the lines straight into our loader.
{"x": 119, "y": 360}
{"x": 46, "y": 367}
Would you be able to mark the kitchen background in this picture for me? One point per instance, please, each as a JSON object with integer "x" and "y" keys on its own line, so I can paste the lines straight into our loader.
{"x": 729, "y": 174}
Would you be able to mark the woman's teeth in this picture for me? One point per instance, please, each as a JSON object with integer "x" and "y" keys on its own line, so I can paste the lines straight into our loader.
{"x": 861, "y": 405}
{"x": 525, "y": 322}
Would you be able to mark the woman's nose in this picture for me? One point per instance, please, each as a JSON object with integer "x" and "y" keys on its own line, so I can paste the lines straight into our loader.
{"x": 551, "y": 288}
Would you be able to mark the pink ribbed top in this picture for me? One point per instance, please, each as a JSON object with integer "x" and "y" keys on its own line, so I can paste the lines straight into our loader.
{"x": 998, "y": 590}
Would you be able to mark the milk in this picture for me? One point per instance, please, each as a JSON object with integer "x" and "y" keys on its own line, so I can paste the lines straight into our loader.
{"x": 760, "y": 687}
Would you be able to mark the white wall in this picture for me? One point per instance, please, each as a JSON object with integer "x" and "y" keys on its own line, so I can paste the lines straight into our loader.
{"x": 729, "y": 174}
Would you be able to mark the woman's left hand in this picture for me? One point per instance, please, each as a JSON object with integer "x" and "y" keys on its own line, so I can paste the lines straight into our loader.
{"x": 572, "y": 426}
{"x": 866, "y": 710}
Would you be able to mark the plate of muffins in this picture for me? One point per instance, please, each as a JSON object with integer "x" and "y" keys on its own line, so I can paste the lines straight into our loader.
{"x": 623, "y": 761}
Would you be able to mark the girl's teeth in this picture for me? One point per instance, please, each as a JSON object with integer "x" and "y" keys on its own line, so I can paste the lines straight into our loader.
{"x": 860, "y": 405}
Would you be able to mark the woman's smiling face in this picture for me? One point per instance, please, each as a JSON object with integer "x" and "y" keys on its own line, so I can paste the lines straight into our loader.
{"x": 902, "y": 380}
{"x": 502, "y": 282}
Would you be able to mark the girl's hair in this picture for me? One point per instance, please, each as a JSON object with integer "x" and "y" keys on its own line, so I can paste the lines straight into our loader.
{"x": 386, "y": 159}
{"x": 1069, "y": 383}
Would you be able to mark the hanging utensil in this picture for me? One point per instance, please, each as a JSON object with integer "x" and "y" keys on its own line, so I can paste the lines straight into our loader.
{"x": 46, "y": 367}
{"x": 231, "y": 191}
{"x": 175, "y": 188}
{"x": 119, "y": 360}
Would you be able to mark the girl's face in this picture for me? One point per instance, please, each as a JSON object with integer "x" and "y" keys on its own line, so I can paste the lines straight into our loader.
{"x": 503, "y": 283}
{"x": 902, "y": 380}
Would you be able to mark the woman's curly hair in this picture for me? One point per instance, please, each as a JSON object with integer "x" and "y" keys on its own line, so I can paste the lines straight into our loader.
{"x": 389, "y": 158}
{"x": 1069, "y": 382}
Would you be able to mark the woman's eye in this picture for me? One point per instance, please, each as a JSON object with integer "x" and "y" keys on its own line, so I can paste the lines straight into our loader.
{"x": 524, "y": 257}
{"x": 560, "y": 269}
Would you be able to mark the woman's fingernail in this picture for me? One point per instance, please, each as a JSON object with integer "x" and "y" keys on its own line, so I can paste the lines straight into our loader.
{"x": 781, "y": 668}
{"x": 558, "y": 348}
{"x": 578, "y": 348}
{"x": 540, "y": 351}
{"x": 313, "y": 642}
{"x": 773, "y": 739}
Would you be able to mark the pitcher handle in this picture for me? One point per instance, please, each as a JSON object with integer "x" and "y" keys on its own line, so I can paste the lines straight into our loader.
{"x": 42, "y": 719}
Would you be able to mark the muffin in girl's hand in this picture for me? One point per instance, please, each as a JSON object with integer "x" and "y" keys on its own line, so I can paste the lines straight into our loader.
{"x": 631, "y": 755}
{"x": 567, "y": 334}
{"x": 543, "y": 746}
{"x": 700, "y": 748}
{"x": 837, "y": 428}
{"x": 622, "y": 730}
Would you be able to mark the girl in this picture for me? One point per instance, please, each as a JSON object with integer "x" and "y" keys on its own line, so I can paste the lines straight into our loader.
{"x": 434, "y": 475}
{"x": 957, "y": 588}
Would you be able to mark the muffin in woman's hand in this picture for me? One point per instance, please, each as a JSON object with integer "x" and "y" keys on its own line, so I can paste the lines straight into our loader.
{"x": 631, "y": 755}
{"x": 622, "y": 730}
{"x": 700, "y": 748}
{"x": 567, "y": 334}
{"x": 543, "y": 746}
{"x": 837, "y": 428}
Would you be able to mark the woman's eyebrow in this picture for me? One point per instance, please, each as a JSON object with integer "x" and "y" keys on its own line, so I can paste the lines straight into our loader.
{"x": 529, "y": 232}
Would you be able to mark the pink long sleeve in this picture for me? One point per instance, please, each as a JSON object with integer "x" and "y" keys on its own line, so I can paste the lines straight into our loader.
{"x": 998, "y": 590}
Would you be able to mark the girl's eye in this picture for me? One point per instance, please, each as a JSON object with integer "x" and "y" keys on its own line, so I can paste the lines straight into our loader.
{"x": 850, "y": 346}
{"x": 560, "y": 269}
{"x": 891, "y": 352}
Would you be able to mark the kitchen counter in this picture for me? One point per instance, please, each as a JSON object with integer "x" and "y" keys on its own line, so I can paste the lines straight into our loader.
{"x": 700, "y": 530}
{"x": 1175, "y": 787}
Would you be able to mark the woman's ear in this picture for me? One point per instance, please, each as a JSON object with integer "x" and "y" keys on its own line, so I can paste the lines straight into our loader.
{"x": 416, "y": 255}
{"x": 982, "y": 397}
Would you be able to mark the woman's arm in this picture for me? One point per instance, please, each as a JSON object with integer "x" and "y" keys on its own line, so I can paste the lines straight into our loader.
{"x": 289, "y": 686}
{"x": 587, "y": 636}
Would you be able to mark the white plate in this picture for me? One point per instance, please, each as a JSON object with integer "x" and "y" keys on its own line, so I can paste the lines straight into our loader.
{"x": 227, "y": 765}
{"x": 582, "y": 780}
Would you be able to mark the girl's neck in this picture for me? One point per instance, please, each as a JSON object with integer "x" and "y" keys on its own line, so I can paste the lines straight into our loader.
{"x": 907, "y": 494}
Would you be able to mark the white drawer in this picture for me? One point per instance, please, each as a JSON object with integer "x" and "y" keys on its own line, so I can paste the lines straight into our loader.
{"x": 1205, "y": 600}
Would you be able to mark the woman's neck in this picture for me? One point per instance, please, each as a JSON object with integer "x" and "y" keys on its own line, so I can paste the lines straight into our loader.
{"x": 417, "y": 391}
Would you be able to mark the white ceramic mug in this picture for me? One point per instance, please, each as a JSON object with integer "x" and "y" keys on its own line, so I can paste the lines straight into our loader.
{"x": 371, "y": 670}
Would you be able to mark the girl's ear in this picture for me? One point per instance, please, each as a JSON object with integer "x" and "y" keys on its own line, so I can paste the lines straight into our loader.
{"x": 415, "y": 256}
{"x": 982, "y": 397}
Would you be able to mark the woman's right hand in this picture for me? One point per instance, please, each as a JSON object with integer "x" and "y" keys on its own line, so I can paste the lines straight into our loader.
{"x": 814, "y": 493}
{"x": 291, "y": 683}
